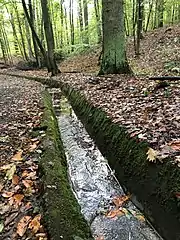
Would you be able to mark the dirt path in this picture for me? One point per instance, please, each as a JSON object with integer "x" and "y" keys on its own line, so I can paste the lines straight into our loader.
{"x": 20, "y": 112}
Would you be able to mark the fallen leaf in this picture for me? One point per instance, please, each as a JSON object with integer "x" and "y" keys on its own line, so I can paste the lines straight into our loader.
{"x": 6, "y": 167}
{"x": 28, "y": 205}
{"x": 25, "y": 173}
{"x": 151, "y": 155}
{"x": 177, "y": 194}
{"x": 140, "y": 217}
{"x": 4, "y": 208}
{"x": 7, "y": 194}
{"x": 32, "y": 175}
{"x": 35, "y": 223}
{"x": 16, "y": 200}
{"x": 126, "y": 212}
{"x": 1, "y": 226}
{"x": 100, "y": 237}
{"x": 175, "y": 145}
{"x": 10, "y": 172}
{"x": 1, "y": 187}
{"x": 114, "y": 213}
{"x": 18, "y": 156}
{"x": 22, "y": 225}
{"x": 15, "y": 179}
{"x": 33, "y": 146}
{"x": 119, "y": 200}
{"x": 27, "y": 183}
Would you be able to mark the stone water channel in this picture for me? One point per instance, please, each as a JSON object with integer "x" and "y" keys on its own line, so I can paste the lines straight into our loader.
{"x": 94, "y": 183}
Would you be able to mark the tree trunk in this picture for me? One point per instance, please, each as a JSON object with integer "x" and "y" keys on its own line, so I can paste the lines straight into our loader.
{"x": 20, "y": 31}
{"x": 66, "y": 26}
{"x": 80, "y": 18}
{"x": 31, "y": 15}
{"x": 17, "y": 45}
{"x": 62, "y": 23}
{"x": 97, "y": 13}
{"x": 28, "y": 37}
{"x": 160, "y": 12}
{"x": 149, "y": 15}
{"x": 114, "y": 49}
{"x": 71, "y": 24}
{"x": 140, "y": 7}
{"x": 49, "y": 38}
{"x": 86, "y": 35}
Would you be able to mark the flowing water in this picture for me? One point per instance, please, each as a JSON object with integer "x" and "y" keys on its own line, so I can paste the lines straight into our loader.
{"x": 95, "y": 185}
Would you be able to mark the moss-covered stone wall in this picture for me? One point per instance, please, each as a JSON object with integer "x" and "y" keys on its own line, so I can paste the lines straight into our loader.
{"x": 154, "y": 184}
{"x": 62, "y": 212}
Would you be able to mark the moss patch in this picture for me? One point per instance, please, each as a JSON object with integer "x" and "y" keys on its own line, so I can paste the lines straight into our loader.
{"x": 62, "y": 212}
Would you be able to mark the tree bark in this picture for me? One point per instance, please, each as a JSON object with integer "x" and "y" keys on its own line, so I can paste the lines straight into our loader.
{"x": 80, "y": 13}
{"x": 49, "y": 38}
{"x": 31, "y": 15}
{"x": 71, "y": 24}
{"x": 86, "y": 35}
{"x": 97, "y": 13}
{"x": 20, "y": 31}
{"x": 114, "y": 53}
{"x": 160, "y": 13}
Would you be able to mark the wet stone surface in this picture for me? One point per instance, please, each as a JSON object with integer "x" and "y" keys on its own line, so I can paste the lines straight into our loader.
{"x": 96, "y": 187}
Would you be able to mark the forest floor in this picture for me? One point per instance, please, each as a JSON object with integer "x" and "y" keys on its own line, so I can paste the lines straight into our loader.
{"x": 149, "y": 110}
{"x": 21, "y": 110}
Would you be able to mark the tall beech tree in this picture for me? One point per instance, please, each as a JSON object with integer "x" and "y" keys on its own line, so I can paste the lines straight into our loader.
{"x": 53, "y": 68}
{"x": 114, "y": 58}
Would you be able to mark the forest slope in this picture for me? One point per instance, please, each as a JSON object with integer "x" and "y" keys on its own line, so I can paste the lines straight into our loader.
{"x": 159, "y": 54}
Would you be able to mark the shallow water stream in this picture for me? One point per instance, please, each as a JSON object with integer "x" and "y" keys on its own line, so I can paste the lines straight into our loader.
{"x": 95, "y": 185}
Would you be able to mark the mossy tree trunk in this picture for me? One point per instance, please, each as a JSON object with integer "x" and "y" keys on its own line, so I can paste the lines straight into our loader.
{"x": 86, "y": 24}
{"x": 49, "y": 38}
{"x": 114, "y": 58}
{"x": 98, "y": 20}
{"x": 160, "y": 13}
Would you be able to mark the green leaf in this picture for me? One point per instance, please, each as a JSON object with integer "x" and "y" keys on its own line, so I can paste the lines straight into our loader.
{"x": 1, "y": 227}
{"x": 10, "y": 172}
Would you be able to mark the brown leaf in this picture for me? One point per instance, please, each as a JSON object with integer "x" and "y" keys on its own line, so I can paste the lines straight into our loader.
{"x": 28, "y": 205}
{"x": 118, "y": 201}
{"x": 114, "y": 213}
{"x": 25, "y": 173}
{"x": 33, "y": 146}
{"x": 18, "y": 156}
{"x": 16, "y": 199}
{"x": 140, "y": 217}
{"x": 6, "y": 167}
{"x": 100, "y": 237}
{"x": 7, "y": 194}
{"x": 35, "y": 223}
{"x": 27, "y": 183}
{"x": 22, "y": 225}
{"x": 15, "y": 180}
{"x": 1, "y": 187}
{"x": 175, "y": 145}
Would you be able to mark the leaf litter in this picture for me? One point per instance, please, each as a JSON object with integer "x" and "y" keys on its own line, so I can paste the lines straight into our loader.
{"x": 20, "y": 104}
{"x": 148, "y": 111}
